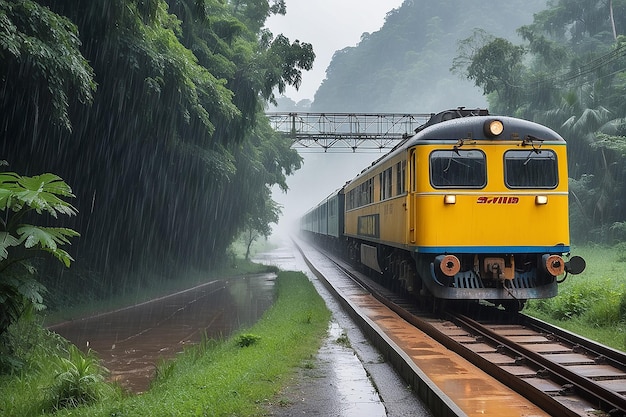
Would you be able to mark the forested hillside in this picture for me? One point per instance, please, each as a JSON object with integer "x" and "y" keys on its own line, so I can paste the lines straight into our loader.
{"x": 405, "y": 66}
{"x": 152, "y": 111}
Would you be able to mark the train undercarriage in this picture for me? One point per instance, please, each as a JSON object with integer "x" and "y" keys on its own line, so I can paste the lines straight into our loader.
{"x": 505, "y": 280}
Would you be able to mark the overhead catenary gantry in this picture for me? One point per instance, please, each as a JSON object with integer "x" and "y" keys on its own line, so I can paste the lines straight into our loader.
{"x": 346, "y": 132}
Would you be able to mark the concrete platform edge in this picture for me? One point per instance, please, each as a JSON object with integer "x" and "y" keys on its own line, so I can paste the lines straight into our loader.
{"x": 438, "y": 402}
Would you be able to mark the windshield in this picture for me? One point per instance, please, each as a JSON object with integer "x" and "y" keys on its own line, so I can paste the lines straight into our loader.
{"x": 458, "y": 169}
{"x": 530, "y": 169}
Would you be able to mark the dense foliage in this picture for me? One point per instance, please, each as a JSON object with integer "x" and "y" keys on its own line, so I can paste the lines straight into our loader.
{"x": 21, "y": 197}
{"x": 152, "y": 111}
{"x": 403, "y": 67}
{"x": 569, "y": 73}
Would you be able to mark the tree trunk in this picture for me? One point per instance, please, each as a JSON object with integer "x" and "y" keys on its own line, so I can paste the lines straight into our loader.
{"x": 251, "y": 238}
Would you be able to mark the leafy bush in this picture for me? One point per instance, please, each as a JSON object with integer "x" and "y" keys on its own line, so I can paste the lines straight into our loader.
{"x": 47, "y": 373}
{"x": 602, "y": 314}
{"x": 247, "y": 339}
{"x": 19, "y": 345}
{"x": 572, "y": 302}
{"x": 79, "y": 380}
{"x": 598, "y": 303}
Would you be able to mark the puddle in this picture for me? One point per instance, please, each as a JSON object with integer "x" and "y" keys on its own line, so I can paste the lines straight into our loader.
{"x": 335, "y": 384}
{"x": 131, "y": 342}
{"x": 358, "y": 396}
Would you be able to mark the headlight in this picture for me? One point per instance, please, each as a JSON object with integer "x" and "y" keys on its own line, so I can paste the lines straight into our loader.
{"x": 449, "y": 199}
{"x": 493, "y": 128}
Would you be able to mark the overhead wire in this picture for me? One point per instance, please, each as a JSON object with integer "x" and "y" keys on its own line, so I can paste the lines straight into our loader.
{"x": 585, "y": 69}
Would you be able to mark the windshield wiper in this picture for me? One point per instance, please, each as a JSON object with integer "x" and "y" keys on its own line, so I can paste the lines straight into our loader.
{"x": 536, "y": 145}
{"x": 532, "y": 141}
{"x": 458, "y": 145}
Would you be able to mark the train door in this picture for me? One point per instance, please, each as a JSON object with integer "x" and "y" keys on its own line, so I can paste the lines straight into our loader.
{"x": 411, "y": 189}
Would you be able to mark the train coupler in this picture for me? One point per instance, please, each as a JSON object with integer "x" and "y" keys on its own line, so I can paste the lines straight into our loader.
{"x": 496, "y": 268}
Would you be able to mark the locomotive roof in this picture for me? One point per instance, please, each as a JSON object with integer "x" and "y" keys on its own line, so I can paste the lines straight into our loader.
{"x": 471, "y": 128}
{"x": 461, "y": 124}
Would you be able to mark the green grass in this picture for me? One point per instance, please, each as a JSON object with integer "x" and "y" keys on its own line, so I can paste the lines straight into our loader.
{"x": 234, "y": 377}
{"x": 592, "y": 304}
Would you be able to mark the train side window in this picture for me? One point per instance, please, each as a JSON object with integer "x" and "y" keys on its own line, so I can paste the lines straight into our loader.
{"x": 534, "y": 168}
{"x": 388, "y": 182}
{"x": 458, "y": 169}
{"x": 364, "y": 194}
{"x": 400, "y": 177}
{"x": 385, "y": 184}
{"x": 351, "y": 199}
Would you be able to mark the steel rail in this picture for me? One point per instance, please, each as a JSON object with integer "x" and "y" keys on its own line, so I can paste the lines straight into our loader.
{"x": 612, "y": 356}
{"x": 587, "y": 386}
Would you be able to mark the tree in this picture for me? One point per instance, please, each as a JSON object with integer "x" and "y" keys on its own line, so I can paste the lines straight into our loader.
{"x": 258, "y": 222}
{"x": 19, "y": 242}
{"x": 265, "y": 160}
{"x": 494, "y": 64}
{"x": 41, "y": 66}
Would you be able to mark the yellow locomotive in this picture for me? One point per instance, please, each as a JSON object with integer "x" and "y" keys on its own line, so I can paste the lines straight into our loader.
{"x": 471, "y": 207}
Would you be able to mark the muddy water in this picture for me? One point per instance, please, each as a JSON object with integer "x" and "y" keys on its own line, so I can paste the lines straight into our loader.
{"x": 132, "y": 341}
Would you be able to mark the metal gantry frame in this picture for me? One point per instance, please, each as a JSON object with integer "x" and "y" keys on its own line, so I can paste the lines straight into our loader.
{"x": 346, "y": 132}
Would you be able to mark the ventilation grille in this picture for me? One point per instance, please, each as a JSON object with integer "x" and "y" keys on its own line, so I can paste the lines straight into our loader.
{"x": 469, "y": 279}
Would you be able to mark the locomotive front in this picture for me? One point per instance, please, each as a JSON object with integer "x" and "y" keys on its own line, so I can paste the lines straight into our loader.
{"x": 488, "y": 209}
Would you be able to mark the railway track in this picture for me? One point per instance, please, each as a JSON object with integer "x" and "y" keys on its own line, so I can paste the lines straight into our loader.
{"x": 562, "y": 373}
{"x": 556, "y": 372}
{"x": 561, "y": 377}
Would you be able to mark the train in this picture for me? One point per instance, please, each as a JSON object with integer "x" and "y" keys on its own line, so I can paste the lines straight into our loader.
{"x": 471, "y": 206}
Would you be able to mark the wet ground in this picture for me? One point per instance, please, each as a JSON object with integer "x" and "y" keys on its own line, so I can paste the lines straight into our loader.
{"x": 131, "y": 342}
{"x": 348, "y": 377}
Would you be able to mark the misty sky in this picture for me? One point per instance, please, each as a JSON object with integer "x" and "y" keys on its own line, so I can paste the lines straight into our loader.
{"x": 329, "y": 25}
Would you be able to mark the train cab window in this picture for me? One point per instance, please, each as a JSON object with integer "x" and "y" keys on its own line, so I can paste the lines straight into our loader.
{"x": 533, "y": 168}
{"x": 458, "y": 169}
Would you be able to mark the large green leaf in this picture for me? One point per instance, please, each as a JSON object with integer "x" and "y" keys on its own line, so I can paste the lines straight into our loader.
{"x": 8, "y": 185}
{"x": 48, "y": 239}
{"x": 41, "y": 193}
{"x": 6, "y": 241}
